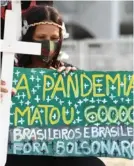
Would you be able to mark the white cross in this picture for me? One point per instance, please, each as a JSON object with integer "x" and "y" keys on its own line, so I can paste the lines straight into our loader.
{"x": 48, "y": 99}
{"x": 42, "y": 72}
{"x": 78, "y": 119}
{"x": 37, "y": 98}
{"x": 118, "y": 123}
{"x": 128, "y": 100}
{"x": 56, "y": 98}
{"x": 115, "y": 101}
{"x": 17, "y": 73}
{"x": 112, "y": 96}
{"x": 61, "y": 102}
{"x": 48, "y": 84}
{"x": 77, "y": 112}
{"x": 32, "y": 107}
{"x": 71, "y": 73}
{"x": 21, "y": 121}
{"x": 74, "y": 122}
{"x": 69, "y": 102}
{"x": 12, "y": 104}
{"x": 129, "y": 77}
{"x": 85, "y": 100}
{"x": 38, "y": 79}
{"x": 15, "y": 81}
{"x": 98, "y": 80}
{"x": 64, "y": 74}
{"x": 123, "y": 113}
{"x": 99, "y": 89}
{"x": 75, "y": 105}
{"x": 55, "y": 74}
{"x": 80, "y": 102}
{"x": 98, "y": 100}
{"x": 36, "y": 121}
{"x": 18, "y": 96}
{"x": 121, "y": 84}
{"x": 86, "y": 85}
{"x": 122, "y": 99}
{"x": 127, "y": 123}
{"x": 21, "y": 102}
{"x": 32, "y": 78}
{"x": 41, "y": 111}
{"x": 27, "y": 103}
{"x": 67, "y": 112}
{"x": 54, "y": 116}
{"x": 113, "y": 87}
{"x": 33, "y": 71}
{"x": 92, "y": 117}
{"x": 97, "y": 124}
{"x": 104, "y": 101}
{"x": 34, "y": 91}
{"x": 23, "y": 95}
{"x": 38, "y": 86}
{"x": 11, "y": 114}
{"x": 9, "y": 46}
{"x": 92, "y": 100}
{"x": 103, "y": 113}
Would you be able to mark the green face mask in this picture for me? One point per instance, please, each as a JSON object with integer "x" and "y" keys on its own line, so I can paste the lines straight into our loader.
{"x": 49, "y": 49}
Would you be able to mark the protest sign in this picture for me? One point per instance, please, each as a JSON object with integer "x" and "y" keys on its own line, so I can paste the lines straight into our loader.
{"x": 77, "y": 114}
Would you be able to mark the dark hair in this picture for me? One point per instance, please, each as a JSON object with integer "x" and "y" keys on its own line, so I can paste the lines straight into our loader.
{"x": 34, "y": 15}
{"x": 49, "y": 3}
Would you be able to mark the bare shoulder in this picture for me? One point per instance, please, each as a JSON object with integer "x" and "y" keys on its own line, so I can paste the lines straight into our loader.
{"x": 117, "y": 161}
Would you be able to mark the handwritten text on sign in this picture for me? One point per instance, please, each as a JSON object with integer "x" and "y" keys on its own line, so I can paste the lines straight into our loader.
{"x": 78, "y": 114}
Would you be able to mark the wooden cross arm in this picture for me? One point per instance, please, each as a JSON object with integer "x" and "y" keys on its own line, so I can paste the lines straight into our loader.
{"x": 20, "y": 47}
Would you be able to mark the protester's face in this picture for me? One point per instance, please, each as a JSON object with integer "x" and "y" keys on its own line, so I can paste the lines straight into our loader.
{"x": 43, "y": 33}
{"x": 46, "y": 32}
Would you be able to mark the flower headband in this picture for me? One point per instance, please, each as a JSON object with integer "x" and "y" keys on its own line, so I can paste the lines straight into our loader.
{"x": 26, "y": 26}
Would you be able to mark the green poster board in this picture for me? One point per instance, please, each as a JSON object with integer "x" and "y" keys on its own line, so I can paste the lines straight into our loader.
{"x": 77, "y": 114}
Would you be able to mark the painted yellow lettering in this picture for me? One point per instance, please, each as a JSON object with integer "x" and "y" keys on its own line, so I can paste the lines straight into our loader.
{"x": 130, "y": 86}
{"x": 96, "y": 85}
{"x": 36, "y": 116}
{"x": 82, "y": 77}
{"x": 45, "y": 88}
{"x": 72, "y": 84}
{"x": 54, "y": 113}
{"x": 103, "y": 109}
{"x": 58, "y": 88}
{"x": 45, "y": 109}
{"x": 22, "y": 114}
{"x": 88, "y": 113}
{"x": 25, "y": 86}
{"x": 113, "y": 80}
{"x": 67, "y": 122}
{"x": 113, "y": 110}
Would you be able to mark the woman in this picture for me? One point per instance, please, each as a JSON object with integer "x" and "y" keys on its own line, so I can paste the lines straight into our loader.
{"x": 44, "y": 25}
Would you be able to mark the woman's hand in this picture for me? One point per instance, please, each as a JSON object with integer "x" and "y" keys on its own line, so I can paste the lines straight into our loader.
{"x": 3, "y": 89}
{"x": 65, "y": 68}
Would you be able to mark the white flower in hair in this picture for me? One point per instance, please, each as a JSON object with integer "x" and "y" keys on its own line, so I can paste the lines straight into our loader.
{"x": 25, "y": 27}
{"x": 65, "y": 34}
{"x": 63, "y": 56}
